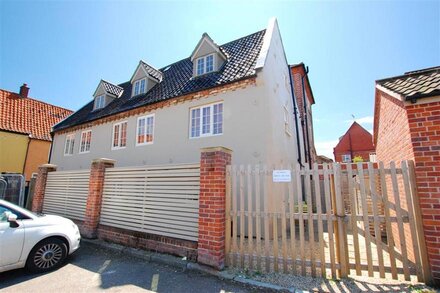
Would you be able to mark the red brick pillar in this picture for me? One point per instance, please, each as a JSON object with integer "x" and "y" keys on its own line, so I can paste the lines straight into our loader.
{"x": 211, "y": 245}
{"x": 94, "y": 200}
{"x": 40, "y": 186}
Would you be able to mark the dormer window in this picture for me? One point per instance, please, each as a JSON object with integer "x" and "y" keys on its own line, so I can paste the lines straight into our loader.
{"x": 200, "y": 66}
{"x": 105, "y": 93}
{"x": 100, "y": 102}
{"x": 209, "y": 63}
{"x": 139, "y": 86}
{"x": 205, "y": 64}
{"x": 144, "y": 78}
{"x": 207, "y": 56}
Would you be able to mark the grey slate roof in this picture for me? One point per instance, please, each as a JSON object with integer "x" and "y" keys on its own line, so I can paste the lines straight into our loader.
{"x": 415, "y": 84}
{"x": 153, "y": 72}
{"x": 112, "y": 88}
{"x": 177, "y": 81}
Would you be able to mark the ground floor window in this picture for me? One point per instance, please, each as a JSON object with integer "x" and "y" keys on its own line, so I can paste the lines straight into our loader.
{"x": 206, "y": 120}
{"x": 70, "y": 143}
{"x": 119, "y": 135}
{"x": 86, "y": 139}
{"x": 145, "y": 130}
{"x": 346, "y": 158}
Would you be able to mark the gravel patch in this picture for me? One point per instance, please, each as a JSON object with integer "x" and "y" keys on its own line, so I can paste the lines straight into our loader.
{"x": 353, "y": 284}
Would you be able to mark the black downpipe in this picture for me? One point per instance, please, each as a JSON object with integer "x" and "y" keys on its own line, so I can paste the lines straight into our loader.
{"x": 26, "y": 156}
{"x": 51, "y": 145}
{"x": 307, "y": 141}
{"x": 295, "y": 112}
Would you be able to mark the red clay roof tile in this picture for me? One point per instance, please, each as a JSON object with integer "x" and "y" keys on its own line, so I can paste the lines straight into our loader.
{"x": 29, "y": 116}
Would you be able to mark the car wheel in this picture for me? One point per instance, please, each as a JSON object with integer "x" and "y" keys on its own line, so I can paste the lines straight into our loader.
{"x": 47, "y": 255}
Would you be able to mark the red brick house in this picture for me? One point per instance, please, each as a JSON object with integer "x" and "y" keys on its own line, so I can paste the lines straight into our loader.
{"x": 357, "y": 141}
{"x": 407, "y": 127}
{"x": 304, "y": 99}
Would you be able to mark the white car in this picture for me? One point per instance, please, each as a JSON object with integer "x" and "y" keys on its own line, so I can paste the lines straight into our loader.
{"x": 36, "y": 241}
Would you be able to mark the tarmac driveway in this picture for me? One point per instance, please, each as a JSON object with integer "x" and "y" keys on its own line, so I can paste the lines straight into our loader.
{"x": 93, "y": 269}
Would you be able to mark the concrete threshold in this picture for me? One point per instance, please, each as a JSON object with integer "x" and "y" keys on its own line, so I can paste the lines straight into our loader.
{"x": 183, "y": 264}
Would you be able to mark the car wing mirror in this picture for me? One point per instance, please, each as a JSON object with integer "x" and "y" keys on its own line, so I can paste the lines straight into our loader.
{"x": 12, "y": 219}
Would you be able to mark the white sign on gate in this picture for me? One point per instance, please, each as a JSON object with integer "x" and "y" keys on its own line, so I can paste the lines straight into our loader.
{"x": 281, "y": 176}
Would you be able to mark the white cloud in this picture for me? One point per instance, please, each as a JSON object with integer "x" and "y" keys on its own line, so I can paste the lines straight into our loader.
{"x": 362, "y": 120}
{"x": 326, "y": 148}
{"x": 365, "y": 120}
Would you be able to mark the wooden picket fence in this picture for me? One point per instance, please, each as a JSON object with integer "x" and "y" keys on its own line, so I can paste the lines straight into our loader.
{"x": 314, "y": 225}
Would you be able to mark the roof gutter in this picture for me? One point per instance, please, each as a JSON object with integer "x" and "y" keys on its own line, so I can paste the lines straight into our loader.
{"x": 295, "y": 112}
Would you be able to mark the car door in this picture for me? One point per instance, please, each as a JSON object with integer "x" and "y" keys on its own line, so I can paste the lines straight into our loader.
{"x": 11, "y": 238}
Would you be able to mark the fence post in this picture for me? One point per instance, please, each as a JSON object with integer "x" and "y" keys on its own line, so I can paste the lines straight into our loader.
{"x": 40, "y": 186}
{"x": 418, "y": 219}
{"x": 212, "y": 206}
{"x": 340, "y": 231}
{"x": 94, "y": 199}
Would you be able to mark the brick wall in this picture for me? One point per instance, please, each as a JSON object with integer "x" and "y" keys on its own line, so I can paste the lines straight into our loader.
{"x": 209, "y": 250}
{"x": 40, "y": 186}
{"x": 364, "y": 154}
{"x": 94, "y": 199}
{"x": 356, "y": 141}
{"x": 298, "y": 90}
{"x": 148, "y": 241}
{"x": 406, "y": 131}
{"x": 393, "y": 135}
{"x": 298, "y": 73}
{"x": 424, "y": 125}
{"x": 212, "y": 206}
{"x": 394, "y": 144}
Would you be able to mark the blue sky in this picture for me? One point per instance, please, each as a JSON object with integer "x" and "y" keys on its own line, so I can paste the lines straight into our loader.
{"x": 63, "y": 48}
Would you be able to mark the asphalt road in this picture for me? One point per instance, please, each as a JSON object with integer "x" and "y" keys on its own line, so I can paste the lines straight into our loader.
{"x": 92, "y": 269}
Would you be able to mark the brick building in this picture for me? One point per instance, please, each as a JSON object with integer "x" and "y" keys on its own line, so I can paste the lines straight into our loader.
{"x": 357, "y": 141}
{"x": 407, "y": 127}
{"x": 304, "y": 100}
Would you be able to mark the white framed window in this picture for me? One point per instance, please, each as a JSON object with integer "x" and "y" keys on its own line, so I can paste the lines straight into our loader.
{"x": 209, "y": 63}
{"x": 86, "y": 139}
{"x": 139, "y": 86}
{"x": 346, "y": 158}
{"x": 206, "y": 120}
{"x": 205, "y": 64}
{"x": 119, "y": 137}
{"x": 200, "y": 66}
{"x": 70, "y": 143}
{"x": 100, "y": 102}
{"x": 373, "y": 158}
{"x": 145, "y": 130}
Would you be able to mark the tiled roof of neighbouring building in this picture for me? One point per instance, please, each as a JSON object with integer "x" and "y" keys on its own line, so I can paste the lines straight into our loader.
{"x": 415, "y": 84}
{"x": 177, "y": 80}
{"x": 29, "y": 116}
